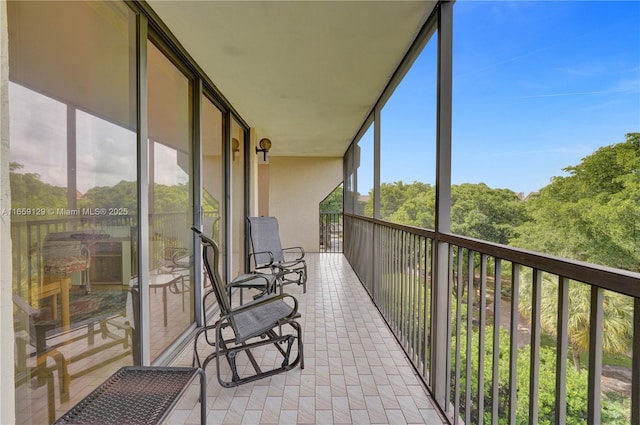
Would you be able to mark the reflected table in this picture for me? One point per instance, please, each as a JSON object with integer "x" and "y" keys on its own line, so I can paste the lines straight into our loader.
{"x": 52, "y": 286}
{"x": 167, "y": 281}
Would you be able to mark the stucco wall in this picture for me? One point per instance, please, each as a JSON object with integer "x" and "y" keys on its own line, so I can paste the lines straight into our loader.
{"x": 7, "y": 401}
{"x": 297, "y": 186}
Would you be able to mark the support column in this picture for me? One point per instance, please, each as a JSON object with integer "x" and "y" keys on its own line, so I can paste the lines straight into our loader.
{"x": 440, "y": 325}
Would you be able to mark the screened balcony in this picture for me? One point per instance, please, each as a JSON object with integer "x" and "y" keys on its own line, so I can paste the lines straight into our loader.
{"x": 382, "y": 361}
{"x": 471, "y": 331}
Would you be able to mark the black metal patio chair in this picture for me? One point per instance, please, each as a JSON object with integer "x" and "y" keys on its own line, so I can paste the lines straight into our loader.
{"x": 268, "y": 253}
{"x": 261, "y": 322}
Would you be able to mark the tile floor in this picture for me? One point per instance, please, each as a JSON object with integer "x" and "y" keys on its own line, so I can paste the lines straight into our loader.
{"x": 355, "y": 372}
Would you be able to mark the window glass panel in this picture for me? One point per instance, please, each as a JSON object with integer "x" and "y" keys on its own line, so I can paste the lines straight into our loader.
{"x": 545, "y": 95}
{"x": 349, "y": 181}
{"x": 238, "y": 218}
{"x": 407, "y": 145}
{"x": 213, "y": 178}
{"x": 170, "y": 201}
{"x": 364, "y": 169}
{"x": 73, "y": 191}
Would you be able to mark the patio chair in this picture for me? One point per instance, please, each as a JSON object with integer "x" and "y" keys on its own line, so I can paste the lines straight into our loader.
{"x": 177, "y": 259}
{"x": 31, "y": 331}
{"x": 268, "y": 253}
{"x": 240, "y": 329}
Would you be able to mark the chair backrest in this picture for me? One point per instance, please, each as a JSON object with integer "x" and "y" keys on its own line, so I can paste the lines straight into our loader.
{"x": 265, "y": 237}
{"x": 210, "y": 259}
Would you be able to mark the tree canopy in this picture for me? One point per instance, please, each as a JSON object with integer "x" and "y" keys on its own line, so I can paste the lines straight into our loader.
{"x": 477, "y": 210}
{"x": 29, "y": 191}
{"x": 593, "y": 213}
{"x": 333, "y": 202}
{"x": 590, "y": 214}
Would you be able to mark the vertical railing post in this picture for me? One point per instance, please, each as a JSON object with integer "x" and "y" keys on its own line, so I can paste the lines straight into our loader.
{"x": 595, "y": 356}
{"x": 635, "y": 365}
{"x": 562, "y": 350}
{"x": 536, "y": 329}
{"x": 497, "y": 311}
{"x": 482, "y": 320}
{"x": 513, "y": 343}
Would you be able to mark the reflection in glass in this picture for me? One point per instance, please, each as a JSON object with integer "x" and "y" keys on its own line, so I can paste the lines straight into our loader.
{"x": 349, "y": 189}
{"x": 237, "y": 198}
{"x": 73, "y": 192}
{"x": 364, "y": 167}
{"x": 213, "y": 179}
{"x": 170, "y": 199}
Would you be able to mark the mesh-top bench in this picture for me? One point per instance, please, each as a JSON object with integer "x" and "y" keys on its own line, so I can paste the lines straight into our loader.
{"x": 137, "y": 395}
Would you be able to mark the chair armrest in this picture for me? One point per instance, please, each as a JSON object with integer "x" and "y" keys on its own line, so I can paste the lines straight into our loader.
{"x": 25, "y": 307}
{"x": 262, "y": 301}
{"x": 176, "y": 256}
{"x": 204, "y": 300}
{"x": 298, "y": 248}
{"x": 254, "y": 280}
{"x": 254, "y": 276}
{"x": 253, "y": 254}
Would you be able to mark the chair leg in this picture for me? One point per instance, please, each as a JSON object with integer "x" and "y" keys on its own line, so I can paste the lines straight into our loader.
{"x": 231, "y": 358}
{"x": 51, "y": 400}
{"x": 285, "y": 361}
{"x": 63, "y": 375}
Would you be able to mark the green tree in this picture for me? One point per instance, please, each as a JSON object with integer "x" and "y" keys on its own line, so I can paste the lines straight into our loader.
{"x": 334, "y": 201}
{"x": 170, "y": 199}
{"x": 476, "y": 210}
{"x": 29, "y": 191}
{"x": 122, "y": 195}
{"x": 481, "y": 212}
{"x": 617, "y": 321}
{"x": 613, "y": 411}
{"x": 593, "y": 214}
{"x": 418, "y": 209}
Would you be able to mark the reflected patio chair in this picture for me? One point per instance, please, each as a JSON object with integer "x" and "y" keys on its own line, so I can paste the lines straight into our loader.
{"x": 32, "y": 331}
{"x": 268, "y": 253}
{"x": 177, "y": 259}
{"x": 240, "y": 329}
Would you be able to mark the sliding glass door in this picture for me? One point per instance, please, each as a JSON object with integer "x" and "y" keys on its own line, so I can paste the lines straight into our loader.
{"x": 73, "y": 212}
{"x": 170, "y": 150}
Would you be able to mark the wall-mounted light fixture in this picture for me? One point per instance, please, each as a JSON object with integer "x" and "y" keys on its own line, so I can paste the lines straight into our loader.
{"x": 265, "y": 145}
{"x": 235, "y": 147}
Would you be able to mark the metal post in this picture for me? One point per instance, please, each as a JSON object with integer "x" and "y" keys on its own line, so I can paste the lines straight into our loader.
{"x": 439, "y": 326}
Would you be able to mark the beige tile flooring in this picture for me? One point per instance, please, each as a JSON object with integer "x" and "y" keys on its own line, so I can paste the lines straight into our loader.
{"x": 355, "y": 371}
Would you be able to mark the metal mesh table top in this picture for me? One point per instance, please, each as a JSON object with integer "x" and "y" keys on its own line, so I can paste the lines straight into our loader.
{"x": 132, "y": 395}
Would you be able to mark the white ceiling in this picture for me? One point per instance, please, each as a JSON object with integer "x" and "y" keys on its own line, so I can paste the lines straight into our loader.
{"x": 303, "y": 73}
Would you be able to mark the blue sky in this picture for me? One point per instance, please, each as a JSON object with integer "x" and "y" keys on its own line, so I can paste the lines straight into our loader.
{"x": 537, "y": 87}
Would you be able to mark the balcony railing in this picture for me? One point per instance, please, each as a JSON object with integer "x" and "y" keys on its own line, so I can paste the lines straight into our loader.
{"x": 331, "y": 232}
{"x": 491, "y": 329}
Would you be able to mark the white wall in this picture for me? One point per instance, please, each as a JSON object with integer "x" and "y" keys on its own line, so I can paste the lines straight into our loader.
{"x": 297, "y": 186}
{"x": 7, "y": 401}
